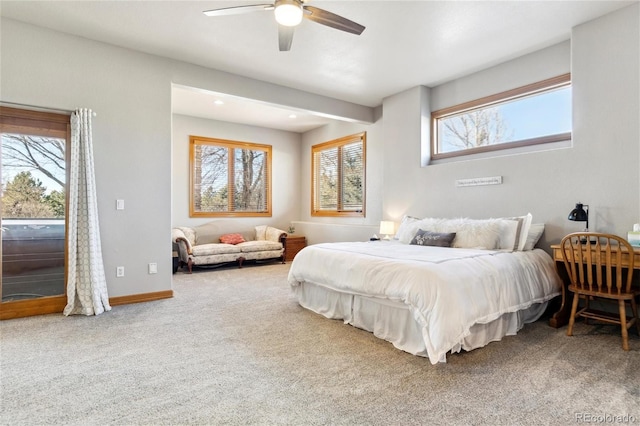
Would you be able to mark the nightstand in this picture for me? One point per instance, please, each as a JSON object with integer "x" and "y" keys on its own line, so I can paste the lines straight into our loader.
{"x": 292, "y": 245}
{"x": 174, "y": 255}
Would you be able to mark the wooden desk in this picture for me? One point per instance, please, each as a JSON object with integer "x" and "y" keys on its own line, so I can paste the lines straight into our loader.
{"x": 561, "y": 317}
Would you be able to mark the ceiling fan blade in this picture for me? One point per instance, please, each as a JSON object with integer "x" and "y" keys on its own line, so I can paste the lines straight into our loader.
{"x": 332, "y": 20}
{"x": 285, "y": 37}
{"x": 234, "y": 10}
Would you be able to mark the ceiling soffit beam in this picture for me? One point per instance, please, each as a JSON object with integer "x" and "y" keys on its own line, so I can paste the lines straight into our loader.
{"x": 274, "y": 94}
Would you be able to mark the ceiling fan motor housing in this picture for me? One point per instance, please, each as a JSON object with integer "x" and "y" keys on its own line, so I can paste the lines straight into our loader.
{"x": 288, "y": 12}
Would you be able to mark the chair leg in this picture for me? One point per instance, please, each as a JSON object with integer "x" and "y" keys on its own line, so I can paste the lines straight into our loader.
{"x": 586, "y": 307}
{"x": 634, "y": 311}
{"x": 623, "y": 323}
{"x": 572, "y": 318}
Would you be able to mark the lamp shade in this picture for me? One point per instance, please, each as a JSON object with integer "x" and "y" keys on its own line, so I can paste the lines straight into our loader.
{"x": 288, "y": 12}
{"x": 579, "y": 214}
{"x": 386, "y": 228}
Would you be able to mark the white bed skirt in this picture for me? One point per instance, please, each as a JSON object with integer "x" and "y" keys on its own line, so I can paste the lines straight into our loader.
{"x": 394, "y": 322}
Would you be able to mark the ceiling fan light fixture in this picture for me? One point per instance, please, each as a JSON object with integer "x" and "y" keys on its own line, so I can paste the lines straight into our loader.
{"x": 288, "y": 12}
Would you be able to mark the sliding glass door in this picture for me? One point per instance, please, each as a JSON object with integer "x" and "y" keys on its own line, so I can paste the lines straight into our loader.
{"x": 34, "y": 157}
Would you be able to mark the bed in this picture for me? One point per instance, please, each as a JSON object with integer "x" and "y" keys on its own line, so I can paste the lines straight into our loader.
{"x": 429, "y": 300}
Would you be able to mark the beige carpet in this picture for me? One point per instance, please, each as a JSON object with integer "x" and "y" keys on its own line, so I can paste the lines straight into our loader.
{"x": 234, "y": 347}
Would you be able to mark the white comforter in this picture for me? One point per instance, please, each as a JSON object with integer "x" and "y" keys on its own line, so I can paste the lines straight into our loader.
{"x": 447, "y": 289}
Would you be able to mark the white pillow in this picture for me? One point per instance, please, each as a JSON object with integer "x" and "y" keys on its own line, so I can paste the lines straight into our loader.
{"x": 535, "y": 233}
{"x": 410, "y": 225}
{"x": 407, "y": 229}
{"x": 524, "y": 222}
{"x": 470, "y": 233}
{"x": 432, "y": 223}
{"x": 509, "y": 233}
{"x": 261, "y": 232}
{"x": 524, "y": 231}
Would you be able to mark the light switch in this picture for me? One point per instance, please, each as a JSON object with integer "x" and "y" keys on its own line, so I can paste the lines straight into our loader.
{"x": 119, "y": 204}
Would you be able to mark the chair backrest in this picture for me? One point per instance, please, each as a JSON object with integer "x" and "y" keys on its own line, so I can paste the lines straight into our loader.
{"x": 596, "y": 262}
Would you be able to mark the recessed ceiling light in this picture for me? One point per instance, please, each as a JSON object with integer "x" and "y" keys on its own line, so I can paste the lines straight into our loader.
{"x": 293, "y": 116}
{"x": 218, "y": 102}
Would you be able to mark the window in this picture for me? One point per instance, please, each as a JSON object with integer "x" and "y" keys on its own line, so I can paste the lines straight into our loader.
{"x": 34, "y": 182}
{"x": 229, "y": 178}
{"x": 338, "y": 169}
{"x": 533, "y": 114}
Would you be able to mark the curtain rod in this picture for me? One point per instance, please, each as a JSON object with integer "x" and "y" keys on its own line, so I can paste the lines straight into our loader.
{"x": 41, "y": 108}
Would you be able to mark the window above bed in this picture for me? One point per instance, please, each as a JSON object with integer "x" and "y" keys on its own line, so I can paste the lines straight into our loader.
{"x": 530, "y": 115}
{"x": 338, "y": 169}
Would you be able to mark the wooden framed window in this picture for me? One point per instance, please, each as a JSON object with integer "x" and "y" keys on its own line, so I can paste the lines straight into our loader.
{"x": 34, "y": 168}
{"x": 229, "y": 178}
{"x": 338, "y": 177}
{"x": 529, "y": 115}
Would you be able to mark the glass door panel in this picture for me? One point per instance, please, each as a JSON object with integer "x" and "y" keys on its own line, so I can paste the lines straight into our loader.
{"x": 33, "y": 214}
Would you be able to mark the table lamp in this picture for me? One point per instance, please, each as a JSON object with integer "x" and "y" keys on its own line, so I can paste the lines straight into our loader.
{"x": 579, "y": 214}
{"x": 386, "y": 228}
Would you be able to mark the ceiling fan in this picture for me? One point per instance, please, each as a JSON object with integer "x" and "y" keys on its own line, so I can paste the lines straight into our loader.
{"x": 289, "y": 14}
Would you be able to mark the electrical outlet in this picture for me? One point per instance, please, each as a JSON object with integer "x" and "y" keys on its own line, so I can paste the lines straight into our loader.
{"x": 120, "y": 271}
{"x": 153, "y": 268}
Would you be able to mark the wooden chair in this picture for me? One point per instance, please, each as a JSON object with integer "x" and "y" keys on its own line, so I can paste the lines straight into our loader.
{"x": 600, "y": 266}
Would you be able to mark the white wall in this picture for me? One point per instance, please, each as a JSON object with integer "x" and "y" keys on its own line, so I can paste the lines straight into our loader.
{"x": 323, "y": 229}
{"x": 131, "y": 93}
{"x": 600, "y": 169}
{"x": 430, "y": 190}
{"x": 285, "y": 164}
{"x": 605, "y": 170}
{"x": 537, "y": 66}
{"x": 405, "y": 133}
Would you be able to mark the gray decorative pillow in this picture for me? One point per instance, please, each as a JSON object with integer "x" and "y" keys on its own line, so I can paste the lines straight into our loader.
{"x": 438, "y": 239}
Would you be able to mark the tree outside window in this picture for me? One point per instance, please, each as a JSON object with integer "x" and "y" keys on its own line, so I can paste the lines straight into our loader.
{"x": 34, "y": 151}
{"x": 533, "y": 114}
{"x": 229, "y": 178}
{"x": 33, "y": 176}
{"x": 338, "y": 186}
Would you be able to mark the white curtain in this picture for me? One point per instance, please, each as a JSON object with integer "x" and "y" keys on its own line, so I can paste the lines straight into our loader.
{"x": 86, "y": 282}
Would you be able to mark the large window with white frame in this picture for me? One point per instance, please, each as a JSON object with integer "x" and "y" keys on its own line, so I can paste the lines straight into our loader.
{"x": 338, "y": 177}
{"x": 229, "y": 178}
{"x": 534, "y": 114}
